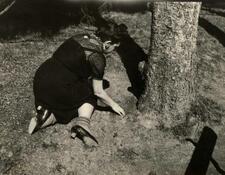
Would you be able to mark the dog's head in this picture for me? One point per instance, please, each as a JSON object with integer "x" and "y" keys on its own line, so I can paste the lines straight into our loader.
{"x": 112, "y": 32}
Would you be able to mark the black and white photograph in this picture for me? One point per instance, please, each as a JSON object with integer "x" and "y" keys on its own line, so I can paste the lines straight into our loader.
{"x": 112, "y": 87}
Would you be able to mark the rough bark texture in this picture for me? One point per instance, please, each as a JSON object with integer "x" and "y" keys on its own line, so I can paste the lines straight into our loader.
{"x": 170, "y": 70}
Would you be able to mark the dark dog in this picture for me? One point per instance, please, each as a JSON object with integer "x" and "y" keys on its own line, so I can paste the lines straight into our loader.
{"x": 129, "y": 51}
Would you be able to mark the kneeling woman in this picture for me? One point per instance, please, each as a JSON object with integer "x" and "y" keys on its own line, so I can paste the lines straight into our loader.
{"x": 70, "y": 82}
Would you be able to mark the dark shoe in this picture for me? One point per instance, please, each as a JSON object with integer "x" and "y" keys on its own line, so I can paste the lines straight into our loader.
{"x": 81, "y": 129}
{"x": 37, "y": 121}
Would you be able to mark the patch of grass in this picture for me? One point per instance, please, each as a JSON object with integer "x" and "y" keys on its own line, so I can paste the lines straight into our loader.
{"x": 206, "y": 109}
{"x": 50, "y": 145}
{"x": 127, "y": 154}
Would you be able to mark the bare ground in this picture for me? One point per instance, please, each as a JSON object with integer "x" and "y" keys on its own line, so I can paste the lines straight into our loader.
{"x": 132, "y": 145}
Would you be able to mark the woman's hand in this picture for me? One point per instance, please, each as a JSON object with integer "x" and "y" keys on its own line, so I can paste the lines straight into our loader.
{"x": 109, "y": 47}
{"x": 118, "y": 109}
{"x": 99, "y": 92}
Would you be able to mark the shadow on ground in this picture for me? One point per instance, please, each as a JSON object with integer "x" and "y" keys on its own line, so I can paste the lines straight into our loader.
{"x": 213, "y": 30}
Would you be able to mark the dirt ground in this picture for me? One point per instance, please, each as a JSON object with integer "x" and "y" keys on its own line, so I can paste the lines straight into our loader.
{"x": 127, "y": 146}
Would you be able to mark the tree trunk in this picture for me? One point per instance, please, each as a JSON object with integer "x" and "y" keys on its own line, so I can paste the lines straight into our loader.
{"x": 170, "y": 70}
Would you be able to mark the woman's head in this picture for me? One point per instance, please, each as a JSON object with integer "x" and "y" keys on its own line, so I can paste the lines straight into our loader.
{"x": 106, "y": 46}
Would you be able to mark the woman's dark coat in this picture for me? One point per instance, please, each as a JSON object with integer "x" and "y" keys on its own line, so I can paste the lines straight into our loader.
{"x": 63, "y": 83}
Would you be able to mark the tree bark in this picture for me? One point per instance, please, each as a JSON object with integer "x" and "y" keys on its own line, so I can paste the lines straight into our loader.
{"x": 170, "y": 70}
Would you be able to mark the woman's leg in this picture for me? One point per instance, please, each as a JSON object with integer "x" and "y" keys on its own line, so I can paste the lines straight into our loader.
{"x": 36, "y": 123}
{"x": 85, "y": 110}
{"x": 84, "y": 114}
{"x": 50, "y": 121}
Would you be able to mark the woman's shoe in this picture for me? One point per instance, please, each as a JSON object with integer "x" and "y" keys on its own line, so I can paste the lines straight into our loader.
{"x": 37, "y": 121}
{"x": 81, "y": 129}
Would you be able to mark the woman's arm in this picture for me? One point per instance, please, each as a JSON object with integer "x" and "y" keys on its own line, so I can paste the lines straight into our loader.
{"x": 99, "y": 92}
